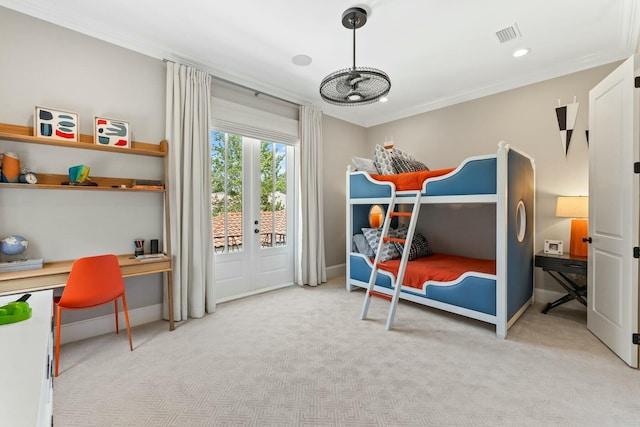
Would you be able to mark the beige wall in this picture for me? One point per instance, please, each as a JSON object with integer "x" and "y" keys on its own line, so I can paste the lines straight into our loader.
{"x": 342, "y": 140}
{"x": 47, "y": 65}
{"x": 525, "y": 118}
{"x": 99, "y": 78}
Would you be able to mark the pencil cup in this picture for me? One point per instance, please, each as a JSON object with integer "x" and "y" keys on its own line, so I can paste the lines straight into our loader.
{"x": 139, "y": 247}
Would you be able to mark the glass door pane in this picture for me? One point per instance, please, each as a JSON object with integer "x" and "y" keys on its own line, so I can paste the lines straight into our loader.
{"x": 226, "y": 192}
{"x": 273, "y": 194}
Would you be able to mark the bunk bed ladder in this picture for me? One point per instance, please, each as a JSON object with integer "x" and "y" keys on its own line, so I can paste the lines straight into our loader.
{"x": 397, "y": 285}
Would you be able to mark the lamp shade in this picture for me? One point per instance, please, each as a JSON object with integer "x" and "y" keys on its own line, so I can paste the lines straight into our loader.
{"x": 573, "y": 207}
{"x": 576, "y": 207}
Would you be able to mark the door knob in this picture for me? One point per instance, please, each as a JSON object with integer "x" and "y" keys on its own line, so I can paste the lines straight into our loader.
{"x": 587, "y": 239}
{"x": 257, "y": 230}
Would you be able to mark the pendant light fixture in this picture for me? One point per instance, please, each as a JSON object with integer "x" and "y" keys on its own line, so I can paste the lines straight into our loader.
{"x": 356, "y": 85}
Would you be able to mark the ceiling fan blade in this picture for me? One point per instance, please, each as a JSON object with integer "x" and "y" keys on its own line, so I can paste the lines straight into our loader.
{"x": 343, "y": 86}
{"x": 357, "y": 79}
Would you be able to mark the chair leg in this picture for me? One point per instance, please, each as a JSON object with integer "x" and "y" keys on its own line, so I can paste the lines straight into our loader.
{"x": 58, "y": 313}
{"x": 126, "y": 318}
{"x": 115, "y": 302}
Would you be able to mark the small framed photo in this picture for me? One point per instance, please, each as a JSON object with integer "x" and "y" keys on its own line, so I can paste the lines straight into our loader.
{"x": 553, "y": 247}
{"x": 55, "y": 124}
{"x": 115, "y": 133}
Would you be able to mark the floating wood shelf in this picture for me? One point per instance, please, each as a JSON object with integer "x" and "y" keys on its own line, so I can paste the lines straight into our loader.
{"x": 25, "y": 134}
{"x": 53, "y": 181}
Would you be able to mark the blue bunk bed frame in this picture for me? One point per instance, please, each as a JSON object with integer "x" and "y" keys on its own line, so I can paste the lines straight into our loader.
{"x": 506, "y": 179}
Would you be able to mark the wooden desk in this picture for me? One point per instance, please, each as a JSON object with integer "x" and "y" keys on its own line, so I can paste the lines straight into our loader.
{"x": 54, "y": 275}
{"x": 558, "y": 266}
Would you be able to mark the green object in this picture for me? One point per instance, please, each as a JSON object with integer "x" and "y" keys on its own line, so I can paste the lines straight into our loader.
{"x": 79, "y": 173}
{"x": 15, "y": 311}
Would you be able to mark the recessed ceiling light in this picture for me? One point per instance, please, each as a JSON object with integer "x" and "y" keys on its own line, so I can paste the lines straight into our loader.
{"x": 301, "y": 60}
{"x": 520, "y": 52}
{"x": 384, "y": 99}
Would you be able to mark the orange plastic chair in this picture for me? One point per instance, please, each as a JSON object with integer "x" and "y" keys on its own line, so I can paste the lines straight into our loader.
{"x": 93, "y": 281}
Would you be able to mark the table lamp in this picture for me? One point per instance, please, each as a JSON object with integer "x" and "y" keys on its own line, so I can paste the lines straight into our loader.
{"x": 576, "y": 207}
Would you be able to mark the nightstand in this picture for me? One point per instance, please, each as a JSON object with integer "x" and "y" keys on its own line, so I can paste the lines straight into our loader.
{"x": 558, "y": 266}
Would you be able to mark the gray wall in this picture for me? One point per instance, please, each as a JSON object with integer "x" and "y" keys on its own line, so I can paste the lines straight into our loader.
{"x": 47, "y": 65}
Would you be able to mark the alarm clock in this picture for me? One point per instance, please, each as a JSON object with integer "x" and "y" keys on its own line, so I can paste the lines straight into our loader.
{"x": 28, "y": 178}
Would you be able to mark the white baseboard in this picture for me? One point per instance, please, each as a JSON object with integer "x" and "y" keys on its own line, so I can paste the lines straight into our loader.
{"x": 336, "y": 271}
{"x": 251, "y": 293}
{"x": 83, "y": 329}
{"x": 544, "y": 296}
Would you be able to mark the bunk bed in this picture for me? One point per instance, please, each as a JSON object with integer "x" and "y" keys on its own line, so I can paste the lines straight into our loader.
{"x": 495, "y": 290}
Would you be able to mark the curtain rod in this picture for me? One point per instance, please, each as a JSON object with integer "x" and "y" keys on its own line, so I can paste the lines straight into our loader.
{"x": 255, "y": 91}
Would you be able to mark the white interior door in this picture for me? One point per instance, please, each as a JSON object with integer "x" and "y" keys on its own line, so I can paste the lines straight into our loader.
{"x": 612, "y": 311}
{"x": 253, "y": 214}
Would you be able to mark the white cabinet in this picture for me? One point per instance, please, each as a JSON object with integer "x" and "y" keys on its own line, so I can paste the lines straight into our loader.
{"x": 26, "y": 359}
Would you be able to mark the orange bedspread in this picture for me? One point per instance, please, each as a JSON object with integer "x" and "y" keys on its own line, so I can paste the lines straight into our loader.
{"x": 411, "y": 180}
{"x": 438, "y": 267}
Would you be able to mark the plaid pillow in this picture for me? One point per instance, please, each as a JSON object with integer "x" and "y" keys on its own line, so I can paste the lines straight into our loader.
{"x": 420, "y": 247}
{"x": 406, "y": 165}
{"x": 402, "y": 154}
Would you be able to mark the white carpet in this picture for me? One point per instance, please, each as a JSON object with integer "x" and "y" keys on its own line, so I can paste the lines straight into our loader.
{"x": 301, "y": 357}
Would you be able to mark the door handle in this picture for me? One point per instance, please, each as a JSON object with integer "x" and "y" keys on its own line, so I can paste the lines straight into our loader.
{"x": 257, "y": 230}
{"x": 587, "y": 239}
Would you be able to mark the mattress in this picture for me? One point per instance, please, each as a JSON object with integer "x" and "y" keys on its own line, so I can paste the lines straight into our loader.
{"x": 411, "y": 180}
{"x": 439, "y": 268}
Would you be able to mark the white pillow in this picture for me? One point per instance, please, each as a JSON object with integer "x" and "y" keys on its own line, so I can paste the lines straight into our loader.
{"x": 365, "y": 165}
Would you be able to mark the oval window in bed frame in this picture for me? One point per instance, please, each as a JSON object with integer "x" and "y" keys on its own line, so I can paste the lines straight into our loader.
{"x": 521, "y": 221}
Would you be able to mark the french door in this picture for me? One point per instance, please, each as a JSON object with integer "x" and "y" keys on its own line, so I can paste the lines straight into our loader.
{"x": 252, "y": 204}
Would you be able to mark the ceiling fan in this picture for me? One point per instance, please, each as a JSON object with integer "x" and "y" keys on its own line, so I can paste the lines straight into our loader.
{"x": 356, "y": 85}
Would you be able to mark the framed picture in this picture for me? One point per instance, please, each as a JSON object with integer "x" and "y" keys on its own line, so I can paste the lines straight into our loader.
{"x": 55, "y": 124}
{"x": 115, "y": 133}
{"x": 553, "y": 247}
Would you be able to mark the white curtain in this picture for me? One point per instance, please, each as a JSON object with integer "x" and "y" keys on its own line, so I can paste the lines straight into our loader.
{"x": 189, "y": 179}
{"x": 311, "y": 258}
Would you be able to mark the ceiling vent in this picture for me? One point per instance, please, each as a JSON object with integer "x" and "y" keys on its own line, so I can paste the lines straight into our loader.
{"x": 508, "y": 34}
